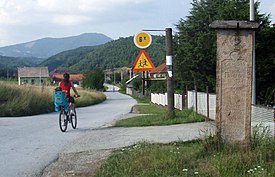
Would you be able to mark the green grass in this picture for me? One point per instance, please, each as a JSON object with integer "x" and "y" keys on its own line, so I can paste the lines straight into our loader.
{"x": 144, "y": 99}
{"x": 205, "y": 158}
{"x": 157, "y": 116}
{"x": 32, "y": 100}
{"x": 154, "y": 160}
{"x": 202, "y": 158}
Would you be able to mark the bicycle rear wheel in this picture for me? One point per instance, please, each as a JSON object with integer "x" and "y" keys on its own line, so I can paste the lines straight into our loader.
{"x": 63, "y": 122}
{"x": 73, "y": 119}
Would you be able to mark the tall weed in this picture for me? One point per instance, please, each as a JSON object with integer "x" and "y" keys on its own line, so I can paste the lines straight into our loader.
{"x": 32, "y": 100}
{"x": 233, "y": 160}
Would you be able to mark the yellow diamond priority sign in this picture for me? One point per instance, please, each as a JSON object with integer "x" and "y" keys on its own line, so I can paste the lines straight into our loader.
{"x": 142, "y": 40}
{"x": 143, "y": 62}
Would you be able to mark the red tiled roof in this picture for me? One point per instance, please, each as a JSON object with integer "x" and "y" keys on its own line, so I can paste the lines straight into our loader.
{"x": 73, "y": 77}
{"x": 160, "y": 68}
{"x": 55, "y": 72}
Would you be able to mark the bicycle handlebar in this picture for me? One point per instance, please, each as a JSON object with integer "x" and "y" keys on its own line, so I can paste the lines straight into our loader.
{"x": 76, "y": 96}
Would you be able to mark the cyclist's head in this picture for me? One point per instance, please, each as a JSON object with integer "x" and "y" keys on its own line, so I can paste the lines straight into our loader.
{"x": 66, "y": 76}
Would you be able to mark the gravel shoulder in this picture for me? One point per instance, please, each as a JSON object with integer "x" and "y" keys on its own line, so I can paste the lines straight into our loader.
{"x": 84, "y": 156}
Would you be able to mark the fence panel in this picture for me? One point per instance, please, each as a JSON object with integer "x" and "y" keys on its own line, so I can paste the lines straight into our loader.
{"x": 191, "y": 99}
{"x": 154, "y": 98}
{"x": 178, "y": 101}
{"x": 163, "y": 99}
{"x": 212, "y": 106}
{"x": 259, "y": 114}
{"x": 202, "y": 103}
{"x": 264, "y": 116}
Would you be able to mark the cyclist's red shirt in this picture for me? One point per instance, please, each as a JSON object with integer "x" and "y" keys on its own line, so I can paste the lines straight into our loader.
{"x": 66, "y": 88}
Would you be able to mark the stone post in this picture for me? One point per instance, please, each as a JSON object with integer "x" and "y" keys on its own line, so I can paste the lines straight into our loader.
{"x": 234, "y": 80}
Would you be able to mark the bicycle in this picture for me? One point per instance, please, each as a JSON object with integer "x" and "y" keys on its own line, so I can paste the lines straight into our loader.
{"x": 65, "y": 115}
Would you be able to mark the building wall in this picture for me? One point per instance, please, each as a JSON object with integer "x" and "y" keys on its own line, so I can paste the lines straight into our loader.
{"x": 32, "y": 81}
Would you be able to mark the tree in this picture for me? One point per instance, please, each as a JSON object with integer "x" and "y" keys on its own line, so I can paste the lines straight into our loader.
{"x": 94, "y": 79}
{"x": 265, "y": 66}
{"x": 195, "y": 52}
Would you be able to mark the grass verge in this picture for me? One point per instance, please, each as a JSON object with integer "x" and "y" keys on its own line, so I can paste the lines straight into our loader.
{"x": 32, "y": 100}
{"x": 156, "y": 115}
{"x": 195, "y": 158}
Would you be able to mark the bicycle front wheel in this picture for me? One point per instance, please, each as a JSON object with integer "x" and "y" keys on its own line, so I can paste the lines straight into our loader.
{"x": 74, "y": 119}
{"x": 63, "y": 122}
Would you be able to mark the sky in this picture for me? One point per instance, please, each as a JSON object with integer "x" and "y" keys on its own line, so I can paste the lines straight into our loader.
{"x": 27, "y": 20}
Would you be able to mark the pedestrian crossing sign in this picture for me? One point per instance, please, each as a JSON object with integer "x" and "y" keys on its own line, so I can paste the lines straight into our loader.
{"x": 143, "y": 62}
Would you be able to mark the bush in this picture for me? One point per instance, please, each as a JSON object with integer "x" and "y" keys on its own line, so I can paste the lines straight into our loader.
{"x": 94, "y": 79}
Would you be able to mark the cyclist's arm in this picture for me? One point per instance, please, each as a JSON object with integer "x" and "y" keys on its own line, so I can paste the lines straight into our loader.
{"x": 74, "y": 89}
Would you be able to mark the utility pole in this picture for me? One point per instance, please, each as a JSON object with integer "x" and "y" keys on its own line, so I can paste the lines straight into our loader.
{"x": 252, "y": 18}
{"x": 169, "y": 65}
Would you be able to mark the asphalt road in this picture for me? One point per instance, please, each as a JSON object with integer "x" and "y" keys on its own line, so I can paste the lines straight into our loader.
{"x": 29, "y": 144}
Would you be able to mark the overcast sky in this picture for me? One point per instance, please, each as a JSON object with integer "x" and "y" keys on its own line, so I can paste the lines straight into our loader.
{"x": 27, "y": 20}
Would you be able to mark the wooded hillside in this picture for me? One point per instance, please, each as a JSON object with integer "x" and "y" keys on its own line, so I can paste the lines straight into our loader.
{"x": 114, "y": 54}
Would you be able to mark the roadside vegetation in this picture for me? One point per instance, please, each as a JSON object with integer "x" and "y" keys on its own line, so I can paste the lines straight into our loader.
{"x": 32, "y": 100}
{"x": 204, "y": 157}
{"x": 153, "y": 115}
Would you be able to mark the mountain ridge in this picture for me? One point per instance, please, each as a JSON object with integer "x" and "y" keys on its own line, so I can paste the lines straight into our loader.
{"x": 48, "y": 46}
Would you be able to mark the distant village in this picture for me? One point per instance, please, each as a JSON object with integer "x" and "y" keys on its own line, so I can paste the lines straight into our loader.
{"x": 42, "y": 76}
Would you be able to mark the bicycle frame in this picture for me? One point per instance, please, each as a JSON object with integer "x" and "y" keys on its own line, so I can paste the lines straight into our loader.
{"x": 63, "y": 105}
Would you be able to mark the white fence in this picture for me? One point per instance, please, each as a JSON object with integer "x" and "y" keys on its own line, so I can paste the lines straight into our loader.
{"x": 199, "y": 104}
{"x": 207, "y": 107}
{"x": 264, "y": 116}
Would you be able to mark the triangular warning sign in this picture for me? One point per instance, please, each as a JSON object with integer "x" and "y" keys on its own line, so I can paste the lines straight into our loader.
{"x": 143, "y": 62}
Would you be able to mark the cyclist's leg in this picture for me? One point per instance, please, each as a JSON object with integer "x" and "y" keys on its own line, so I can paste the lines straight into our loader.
{"x": 71, "y": 104}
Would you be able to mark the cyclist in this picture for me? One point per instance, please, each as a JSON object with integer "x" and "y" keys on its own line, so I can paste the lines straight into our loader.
{"x": 66, "y": 86}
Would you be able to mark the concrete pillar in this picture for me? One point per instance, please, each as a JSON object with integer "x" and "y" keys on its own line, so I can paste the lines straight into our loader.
{"x": 234, "y": 80}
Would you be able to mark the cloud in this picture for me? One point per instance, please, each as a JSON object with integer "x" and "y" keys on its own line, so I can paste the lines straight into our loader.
{"x": 62, "y": 12}
{"x": 32, "y": 19}
{"x": 272, "y": 10}
{"x": 3, "y": 33}
{"x": 25, "y": 20}
{"x": 69, "y": 20}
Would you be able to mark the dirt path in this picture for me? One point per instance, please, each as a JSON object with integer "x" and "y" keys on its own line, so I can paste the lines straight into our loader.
{"x": 80, "y": 164}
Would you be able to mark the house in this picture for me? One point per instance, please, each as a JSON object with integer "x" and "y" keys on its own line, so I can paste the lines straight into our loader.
{"x": 159, "y": 73}
{"x": 33, "y": 75}
{"x": 57, "y": 76}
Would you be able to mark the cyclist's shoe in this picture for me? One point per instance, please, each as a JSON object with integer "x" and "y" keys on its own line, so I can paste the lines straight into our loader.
{"x": 64, "y": 122}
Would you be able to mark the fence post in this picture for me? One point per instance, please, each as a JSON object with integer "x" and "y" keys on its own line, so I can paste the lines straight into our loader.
{"x": 196, "y": 98}
{"x": 183, "y": 100}
{"x": 207, "y": 103}
{"x": 186, "y": 89}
